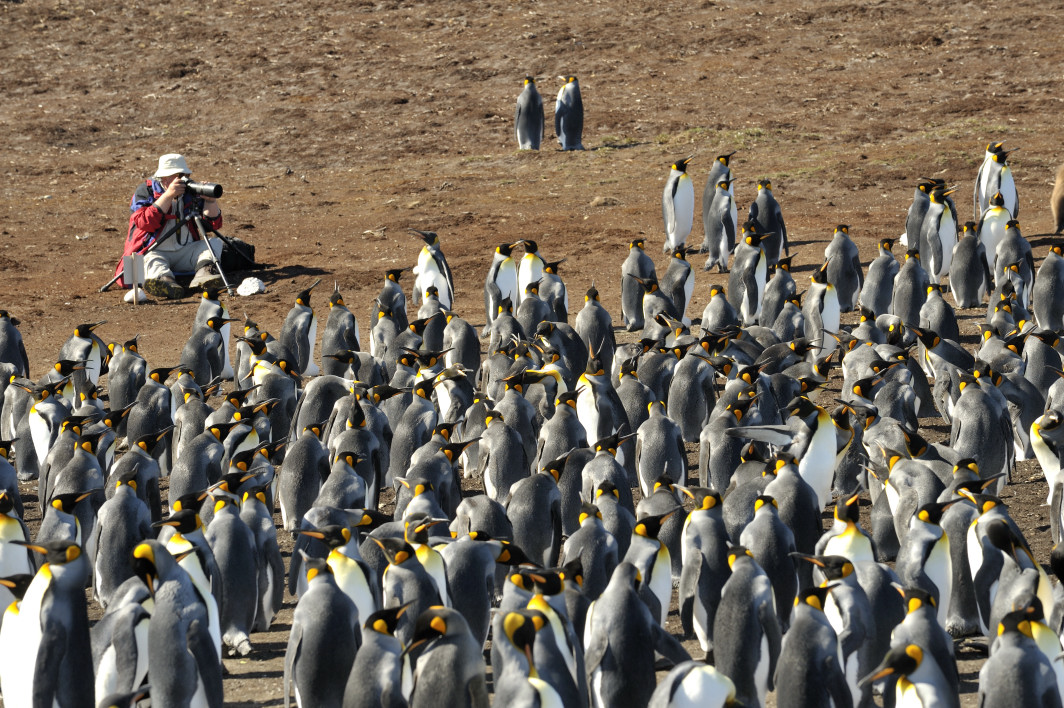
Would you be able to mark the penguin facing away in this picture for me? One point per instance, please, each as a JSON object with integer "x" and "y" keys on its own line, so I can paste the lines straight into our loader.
{"x": 528, "y": 118}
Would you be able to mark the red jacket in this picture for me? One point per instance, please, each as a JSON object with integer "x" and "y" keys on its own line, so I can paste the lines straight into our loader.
{"x": 147, "y": 222}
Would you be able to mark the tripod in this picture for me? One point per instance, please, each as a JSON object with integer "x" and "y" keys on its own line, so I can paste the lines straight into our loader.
{"x": 196, "y": 218}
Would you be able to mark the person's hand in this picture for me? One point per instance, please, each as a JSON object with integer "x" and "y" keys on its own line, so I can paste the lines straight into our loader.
{"x": 210, "y": 207}
{"x": 175, "y": 189}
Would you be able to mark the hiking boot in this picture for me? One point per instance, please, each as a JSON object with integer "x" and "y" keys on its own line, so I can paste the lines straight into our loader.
{"x": 207, "y": 278}
{"x": 165, "y": 287}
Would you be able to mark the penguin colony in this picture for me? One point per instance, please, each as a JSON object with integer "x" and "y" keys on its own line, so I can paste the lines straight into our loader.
{"x": 546, "y": 557}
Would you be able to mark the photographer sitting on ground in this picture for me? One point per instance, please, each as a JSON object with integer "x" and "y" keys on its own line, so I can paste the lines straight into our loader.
{"x": 158, "y": 204}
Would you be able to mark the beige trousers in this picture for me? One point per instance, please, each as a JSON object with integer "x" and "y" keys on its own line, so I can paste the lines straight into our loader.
{"x": 189, "y": 258}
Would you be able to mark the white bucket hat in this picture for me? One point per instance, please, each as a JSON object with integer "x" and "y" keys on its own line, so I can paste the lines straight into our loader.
{"x": 172, "y": 164}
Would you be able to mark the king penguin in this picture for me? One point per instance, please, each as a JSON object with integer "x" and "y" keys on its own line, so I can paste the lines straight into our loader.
{"x": 766, "y": 212}
{"x": 528, "y": 118}
{"x": 844, "y": 267}
{"x": 720, "y": 222}
{"x": 569, "y": 115}
{"x": 315, "y": 663}
{"x": 432, "y": 270}
{"x": 529, "y": 270}
{"x": 746, "y": 632}
{"x": 969, "y": 277}
{"x": 638, "y": 266}
{"x": 808, "y": 672}
{"x": 879, "y": 285}
{"x": 501, "y": 281}
{"x": 938, "y": 234}
{"x": 995, "y": 175}
{"x": 300, "y": 331}
{"x": 678, "y": 206}
{"x": 12, "y": 348}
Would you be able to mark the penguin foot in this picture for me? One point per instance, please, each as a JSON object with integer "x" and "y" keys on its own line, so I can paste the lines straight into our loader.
{"x": 241, "y": 647}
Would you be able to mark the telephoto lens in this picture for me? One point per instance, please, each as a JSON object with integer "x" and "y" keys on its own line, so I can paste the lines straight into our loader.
{"x": 204, "y": 189}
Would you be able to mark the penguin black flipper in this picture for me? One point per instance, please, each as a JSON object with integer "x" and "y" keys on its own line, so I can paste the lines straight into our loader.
{"x": 668, "y": 646}
{"x": 837, "y": 686}
{"x": 779, "y": 435}
{"x": 208, "y": 663}
{"x": 687, "y": 594}
{"x": 766, "y": 615}
{"x": 50, "y": 656}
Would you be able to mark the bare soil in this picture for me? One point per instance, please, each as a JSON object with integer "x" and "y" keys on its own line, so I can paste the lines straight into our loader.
{"x": 336, "y": 126}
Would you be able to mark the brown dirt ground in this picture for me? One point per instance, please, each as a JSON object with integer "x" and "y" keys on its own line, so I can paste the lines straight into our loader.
{"x": 336, "y": 126}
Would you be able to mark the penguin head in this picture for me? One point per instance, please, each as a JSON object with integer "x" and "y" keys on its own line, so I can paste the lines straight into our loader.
{"x": 737, "y": 553}
{"x": 186, "y": 520}
{"x": 303, "y": 298}
{"x": 126, "y": 478}
{"x": 84, "y": 331}
{"x": 607, "y": 489}
{"x": 637, "y": 243}
{"x": 932, "y": 513}
{"x": 724, "y": 184}
{"x": 396, "y": 550}
{"x": 706, "y": 498}
{"x": 58, "y": 552}
{"x": 315, "y": 567}
{"x": 753, "y": 238}
{"x": 552, "y": 267}
{"x": 530, "y": 80}
{"x": 901, "y": 661}
{"x": 813, "y": 596}
{"x": 764, "y": 184}
{"x": 725, "y": 158}
{"x": 416, "y": 528}
{"x": 917, "y": 598}
{"x": 192, "y": 501}
{"x": 820, "y": 276}
{"x": 161, "y": 374}
{"x": 1016, "y": 621}
{"x": 216, "y": 323}
{"x": 848, "y": 510}
{"x": 681, "y": 164}
{"x": 833, "y": 568}
{"x": 387, "y": 620}
{"x": 843, "y": 229}
{"x": 7, "y": 503}
{"x": 912, "y": 253}
{"x": 767, "y": 502}
{"x": 887, "y": 244}
{"x": 520, "y": 628}
{"x": 589, "y": 511}
{"x": 17, "y": 584}
{"x": 65, "y": 502}
{"x": 509, "y": 553}
{"x": 435, "y": 622}
{"x": 394, "y": 274}
{"x": 332, "y": 535}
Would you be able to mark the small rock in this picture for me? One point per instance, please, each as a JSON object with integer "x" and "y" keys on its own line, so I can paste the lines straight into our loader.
{"x": 604, "y": 201}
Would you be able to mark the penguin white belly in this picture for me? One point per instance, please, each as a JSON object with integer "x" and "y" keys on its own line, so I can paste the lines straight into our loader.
{"x": 939, "y": 569}
{"x": 13, "y": 559}
{"x": 199, "y": 698}
{"x": 107, "y": 675}
{"x": 701, "y": 687}
{"x": 597, "y": 699}
{"x": 94, "y": 363}
{"x": 506, "y": 279}
{"x": 28, "y": 630}
{"x": 312, "y": 336}
{"x": 683, "y": 201}
{"x": 760, "y": 278}
{"x": 355, "y": 585}
{"x": 530, "y": 271}
{"x": 268, "y": 610}
{"x": 817, "y": 466}
{"x": 199, "y": 579}
{"x": 688, "y": 290}
{"x": 761, "y": 671}
{"x": 588, "y": 414}
{"x": 831, "y": 316}
{"x": 548, "y": 697}
{"x": 661, "y": 581}
{"x": 701, "y": 624}
{"x": 16, "y": 687}
{"x": 1007, "y": 187}
{"x": 40, "y": 433}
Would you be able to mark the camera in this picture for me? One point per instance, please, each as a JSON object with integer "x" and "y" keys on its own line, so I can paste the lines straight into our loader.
{"x": 203, "y": 189}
